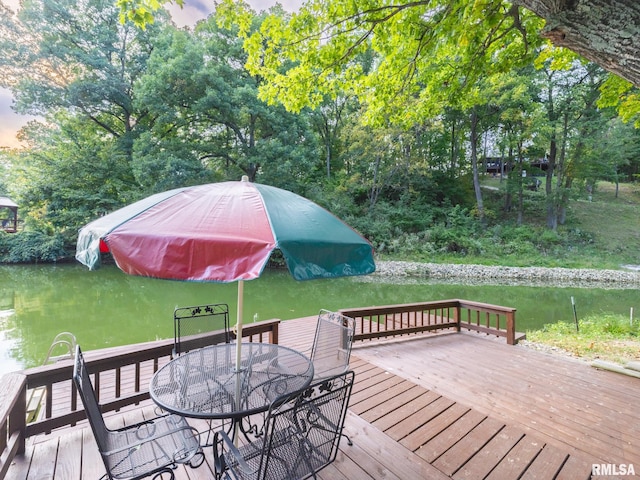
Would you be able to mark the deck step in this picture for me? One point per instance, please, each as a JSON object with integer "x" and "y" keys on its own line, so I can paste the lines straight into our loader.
{"x": 633, "y": 366}
{"x": 633, "y": 371}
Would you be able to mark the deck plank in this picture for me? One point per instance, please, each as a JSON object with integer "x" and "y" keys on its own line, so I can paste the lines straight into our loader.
{"x": 458, "y": 455}
{"x": 546, "y": 465}
{"x": 486, "y": 460}
{"x": 516, "y": 462}
{"x": 451, "y": 435}
{"x": 68, "y": 464}
{"x": 400, "y": 414}
{"x": 400, "y": 460}
{"x": 575, "y": 468}
{"x": 45, "y": 456}
{"x": 417, "y": 420}
{"x": 416, "y": 439}
{"x": 397, "y": 395}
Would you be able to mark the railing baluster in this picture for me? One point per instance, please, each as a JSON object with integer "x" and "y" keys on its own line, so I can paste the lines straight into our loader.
{"x": 138, "y": 375}
{"x": 118, "y": 382}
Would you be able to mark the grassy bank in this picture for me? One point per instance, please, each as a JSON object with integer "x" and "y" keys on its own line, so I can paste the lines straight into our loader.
{"x": 613, "y": 338}
{"x": 602, "y": 232}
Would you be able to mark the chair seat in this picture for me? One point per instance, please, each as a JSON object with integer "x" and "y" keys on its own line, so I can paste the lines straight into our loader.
{"x": 149, "y": 446}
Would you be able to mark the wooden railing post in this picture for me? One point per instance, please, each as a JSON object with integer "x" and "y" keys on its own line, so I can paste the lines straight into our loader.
{"x": 511, "y": 328}
{"x": 13, "y": 417}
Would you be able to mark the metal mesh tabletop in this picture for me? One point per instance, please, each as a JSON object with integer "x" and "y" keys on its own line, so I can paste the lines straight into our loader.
{"x": 205, "y": 383}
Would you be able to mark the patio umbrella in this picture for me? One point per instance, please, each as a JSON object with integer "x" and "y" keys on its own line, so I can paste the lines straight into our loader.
{"x": 225, "y": 232}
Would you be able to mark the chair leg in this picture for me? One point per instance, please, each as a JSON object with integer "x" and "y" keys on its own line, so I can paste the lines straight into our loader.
{"x": 197, "y": 460}
{"x": 349, "y": 442}
{"x": 219, "y": 466}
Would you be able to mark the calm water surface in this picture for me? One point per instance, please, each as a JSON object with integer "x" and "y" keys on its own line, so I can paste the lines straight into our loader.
{"x": 107, "y": 308}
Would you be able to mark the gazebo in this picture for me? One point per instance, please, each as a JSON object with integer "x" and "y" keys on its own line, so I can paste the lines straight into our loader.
{"x": 8, "y": 215}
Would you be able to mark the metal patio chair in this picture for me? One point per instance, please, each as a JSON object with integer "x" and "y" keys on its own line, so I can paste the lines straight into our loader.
{"x": 154, "y": 447}
{"x": 332, "y": 344}
{"x": 189, "y": 322}
{"x": 300, "y": 436}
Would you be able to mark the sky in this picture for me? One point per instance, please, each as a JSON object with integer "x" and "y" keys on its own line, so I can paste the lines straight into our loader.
{"x": 193, "y": 10}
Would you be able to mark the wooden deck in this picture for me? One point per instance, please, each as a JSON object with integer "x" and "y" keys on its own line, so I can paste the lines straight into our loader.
{"x": 429, "y": 407}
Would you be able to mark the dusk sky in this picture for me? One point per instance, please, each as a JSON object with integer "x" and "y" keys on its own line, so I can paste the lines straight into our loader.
{"x": 192, "y": 11}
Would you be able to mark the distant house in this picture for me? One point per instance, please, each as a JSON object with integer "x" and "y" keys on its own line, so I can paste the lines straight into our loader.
{"x": 8, "y": 215}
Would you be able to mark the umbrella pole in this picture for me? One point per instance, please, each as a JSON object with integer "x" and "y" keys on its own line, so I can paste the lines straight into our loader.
{"x": 239, "y": 324}
{"x": 238, "y": 350}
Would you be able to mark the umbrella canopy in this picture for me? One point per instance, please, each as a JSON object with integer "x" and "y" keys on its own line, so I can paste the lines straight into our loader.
{"x": 225, "y": 232}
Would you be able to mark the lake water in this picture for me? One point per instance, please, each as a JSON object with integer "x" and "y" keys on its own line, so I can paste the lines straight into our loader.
{"x": 106, "y": 308}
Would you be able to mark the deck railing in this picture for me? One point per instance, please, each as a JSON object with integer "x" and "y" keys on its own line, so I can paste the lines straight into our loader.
{"x": 394, "y": 320}
{"x": 120, "y": 378}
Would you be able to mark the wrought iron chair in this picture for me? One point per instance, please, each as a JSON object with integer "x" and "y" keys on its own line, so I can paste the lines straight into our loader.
{"x": 300, "y": 437}
{"x": 188, "y": 322}
{"x": 153, "y": 447}
{"x": 332, "y": 344}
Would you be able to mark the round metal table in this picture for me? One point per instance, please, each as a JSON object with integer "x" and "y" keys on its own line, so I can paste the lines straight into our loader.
{"x": 206, "y": 383}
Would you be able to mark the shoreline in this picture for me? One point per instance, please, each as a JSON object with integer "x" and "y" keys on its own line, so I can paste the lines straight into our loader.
{"x": 461, "y": 273}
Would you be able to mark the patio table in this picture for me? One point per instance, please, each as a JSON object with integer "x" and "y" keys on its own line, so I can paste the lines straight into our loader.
{"x": 205, "y": 383}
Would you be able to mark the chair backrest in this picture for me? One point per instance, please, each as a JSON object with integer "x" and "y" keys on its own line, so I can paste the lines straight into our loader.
{"x": 199, "y": 319}
{"x": 84, "y": 386}
{"x": 332, "y": 344}
{"x": 302, "y": 431}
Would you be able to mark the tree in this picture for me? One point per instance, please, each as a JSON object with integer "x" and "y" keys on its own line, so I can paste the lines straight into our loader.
{"x": 569, "y": 97}
{"x": 427, "y": 54}
{"x": 69, "y": 176}
{"x": 206, "y": 113}
{"x": 327, "y": 120}
{"x": 518, "y": 126}
{"x": 75, "y": 56}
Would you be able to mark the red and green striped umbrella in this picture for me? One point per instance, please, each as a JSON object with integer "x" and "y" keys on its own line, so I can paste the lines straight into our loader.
{"x": 225, "y": 232}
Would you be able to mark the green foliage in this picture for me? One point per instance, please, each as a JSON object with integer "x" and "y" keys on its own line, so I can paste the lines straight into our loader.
{"x": 31, "y": 247}
{"x": 208, "y": 121}
{"x": 605, "y": 336}
{"x": 622, "y": 95}
{"x": 603, "y": 325}
{"x": 427, "y": 54}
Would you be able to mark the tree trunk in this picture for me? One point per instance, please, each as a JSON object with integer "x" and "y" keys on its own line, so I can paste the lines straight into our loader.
{"x": 552, "y": 220}
{"x": 607, "y": 32}
{"x": 520, "y": 185}
{"x": 508, "y": 198}
{"x": 562, "y": 214}
{"x": 474, "y": 165}
{"x": 375, "y": 187}
{"x": 562, "y": 174}
{"x": 328, "y": 160}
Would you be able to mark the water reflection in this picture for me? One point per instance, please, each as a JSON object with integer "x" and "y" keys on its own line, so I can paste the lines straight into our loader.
{"x": 108, "y": 308}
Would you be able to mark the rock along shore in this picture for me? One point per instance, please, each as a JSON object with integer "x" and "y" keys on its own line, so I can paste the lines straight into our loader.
{"x": 511, "y": 275}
